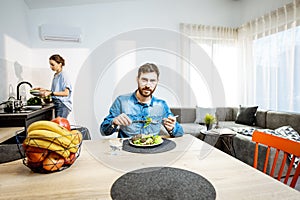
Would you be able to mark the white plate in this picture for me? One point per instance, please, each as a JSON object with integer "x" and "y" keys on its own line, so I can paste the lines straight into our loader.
{"x": 35, "y": 93}
{"x": 146, "y": 145}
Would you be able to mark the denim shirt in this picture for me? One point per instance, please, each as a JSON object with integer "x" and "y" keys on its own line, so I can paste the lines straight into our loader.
{"x": 136, "y": 111}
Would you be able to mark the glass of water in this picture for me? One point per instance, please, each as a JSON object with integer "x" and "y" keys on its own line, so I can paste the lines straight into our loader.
{"x": 115, "y": 145}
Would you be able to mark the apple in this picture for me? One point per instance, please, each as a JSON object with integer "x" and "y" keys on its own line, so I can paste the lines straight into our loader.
{"x": 62, "y": 122}
{"x": 53, "y": 162}
{"x": 35, "y": 154}
{"x": 71, "y": 159}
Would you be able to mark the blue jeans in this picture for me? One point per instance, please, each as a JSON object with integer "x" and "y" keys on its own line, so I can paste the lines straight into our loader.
{"x": 60, "y": 109}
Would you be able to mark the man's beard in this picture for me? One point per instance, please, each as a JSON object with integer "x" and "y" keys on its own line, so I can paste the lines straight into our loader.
{"x": 142, "y": 90}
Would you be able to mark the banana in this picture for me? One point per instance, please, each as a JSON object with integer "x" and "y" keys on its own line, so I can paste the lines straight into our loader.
{"x": 76, "y": 137}
{"x": 50, "y": 126}
{"x": 41, "y": 143}
{"x": 53, "y": 137}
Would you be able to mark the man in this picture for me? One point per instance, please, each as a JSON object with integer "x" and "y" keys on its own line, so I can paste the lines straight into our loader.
{"x": 140, "y": 112}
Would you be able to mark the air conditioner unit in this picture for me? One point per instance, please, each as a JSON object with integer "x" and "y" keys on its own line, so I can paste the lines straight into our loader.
{"x": 51, "y": 32}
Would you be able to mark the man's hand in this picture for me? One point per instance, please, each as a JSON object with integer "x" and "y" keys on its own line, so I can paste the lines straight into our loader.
{"x": 122, "y": 119}
{"x": 169, "y": 123}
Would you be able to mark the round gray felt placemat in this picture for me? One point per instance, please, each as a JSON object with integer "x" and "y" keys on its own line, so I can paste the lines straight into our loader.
{"x": 167, "y": 145}
{"x": 162, "y": 183}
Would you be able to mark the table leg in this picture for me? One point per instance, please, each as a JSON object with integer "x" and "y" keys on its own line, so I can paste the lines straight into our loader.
{"x": 228, "y": 143}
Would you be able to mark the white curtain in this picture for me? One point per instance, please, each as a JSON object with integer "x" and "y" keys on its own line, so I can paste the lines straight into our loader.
{"x": 270, "y": 59}
{"x": 220, "y": 44}
{"x": 260, "y": 61}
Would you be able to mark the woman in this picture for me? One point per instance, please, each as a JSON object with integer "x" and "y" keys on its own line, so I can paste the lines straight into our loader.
{"x": 61, "y": 88}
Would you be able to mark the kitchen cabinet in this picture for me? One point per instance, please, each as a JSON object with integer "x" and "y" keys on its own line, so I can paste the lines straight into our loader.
{"x": 9, "y": 152}
{"x": 6, "y": 133}
{"x": 21, "y": 119}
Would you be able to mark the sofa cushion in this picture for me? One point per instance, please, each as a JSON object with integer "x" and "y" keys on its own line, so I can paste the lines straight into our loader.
{"x": 225, "y": 114}
{"x": 186, "y": 115}
{"x": 246, "y": 115}
{"x": 261, "y": 116}
{"x": 276, "y": 119}
{"x": 201, "y": 112}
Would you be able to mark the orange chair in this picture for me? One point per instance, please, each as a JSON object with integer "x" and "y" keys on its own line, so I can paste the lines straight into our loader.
{"x": 280, "y": 144}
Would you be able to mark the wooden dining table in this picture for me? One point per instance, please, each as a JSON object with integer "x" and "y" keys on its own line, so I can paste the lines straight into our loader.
{"x": 96, "y": 170}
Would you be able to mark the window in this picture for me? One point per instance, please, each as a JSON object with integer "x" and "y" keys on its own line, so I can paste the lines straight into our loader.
{"x": 224, "y": 55}
{"x": 277, "y": 70}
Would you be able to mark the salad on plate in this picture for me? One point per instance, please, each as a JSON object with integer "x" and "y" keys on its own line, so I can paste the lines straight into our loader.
{"x": 146, "y": 140}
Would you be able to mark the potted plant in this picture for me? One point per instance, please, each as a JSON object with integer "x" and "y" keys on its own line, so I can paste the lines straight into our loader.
{"x": 209, "y": 120}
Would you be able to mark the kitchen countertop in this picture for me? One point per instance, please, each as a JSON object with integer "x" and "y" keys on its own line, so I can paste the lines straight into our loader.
{"x": 27, "y": 112}
{"x": 23, "y": 119}
{"x": 6, "y": 133}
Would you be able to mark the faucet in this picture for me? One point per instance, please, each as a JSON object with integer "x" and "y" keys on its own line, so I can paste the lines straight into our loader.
{"x": 18, "y": 88}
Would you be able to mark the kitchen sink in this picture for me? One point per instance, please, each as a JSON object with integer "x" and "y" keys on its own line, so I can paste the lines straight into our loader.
{"x": 25, "y": 109}
{"x": 33, "y": 107}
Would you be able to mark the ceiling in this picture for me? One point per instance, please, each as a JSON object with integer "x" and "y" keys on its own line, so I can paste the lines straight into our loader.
{"x": 36, "y": 4}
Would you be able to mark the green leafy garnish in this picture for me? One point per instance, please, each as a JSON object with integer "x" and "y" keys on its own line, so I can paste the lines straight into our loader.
{"x": 148, "y": 121}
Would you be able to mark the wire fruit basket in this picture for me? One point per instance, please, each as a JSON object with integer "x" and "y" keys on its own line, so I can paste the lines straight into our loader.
{"x": 45, "y": 151}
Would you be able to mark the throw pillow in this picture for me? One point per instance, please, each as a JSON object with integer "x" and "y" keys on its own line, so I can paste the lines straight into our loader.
{"x": 287, "y": 132}
{"x": 246, "y": 115}
{"x": 244, "y": 130}
{"x": 201, "y": 112}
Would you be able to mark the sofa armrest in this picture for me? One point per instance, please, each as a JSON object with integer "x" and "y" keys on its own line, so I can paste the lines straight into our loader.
{"x": 186, "y": 115}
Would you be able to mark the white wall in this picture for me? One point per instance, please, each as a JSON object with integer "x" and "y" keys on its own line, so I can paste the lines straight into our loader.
{"x": 101, "y": 25}
{"x": 252, "y": 9}
{"x": 15, "y": 51}
{"x": 102, "y": 22}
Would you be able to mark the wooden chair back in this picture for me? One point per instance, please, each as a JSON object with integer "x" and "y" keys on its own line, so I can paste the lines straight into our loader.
{"x": 288, "y": 147}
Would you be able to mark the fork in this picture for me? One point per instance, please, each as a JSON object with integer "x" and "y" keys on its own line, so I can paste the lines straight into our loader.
{"x": 152, "y": 121}
{"x": 144, "y": 121}
{"x": 158, "y": 122}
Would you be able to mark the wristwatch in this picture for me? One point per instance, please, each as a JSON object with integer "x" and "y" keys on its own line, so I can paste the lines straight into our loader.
{"x": 52, "y": 94}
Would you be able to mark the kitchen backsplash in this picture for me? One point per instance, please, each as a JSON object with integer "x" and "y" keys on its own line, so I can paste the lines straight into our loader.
{"x": 12, "y": 72}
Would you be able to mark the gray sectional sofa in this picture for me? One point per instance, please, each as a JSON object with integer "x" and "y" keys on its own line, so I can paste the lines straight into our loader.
{"x": 243, "y": 145}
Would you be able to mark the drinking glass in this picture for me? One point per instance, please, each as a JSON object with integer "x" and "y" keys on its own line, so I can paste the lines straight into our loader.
{"x": 116, "y": 146}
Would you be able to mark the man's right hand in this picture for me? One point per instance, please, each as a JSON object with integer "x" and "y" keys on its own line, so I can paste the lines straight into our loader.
{"x": 122, "y": 119}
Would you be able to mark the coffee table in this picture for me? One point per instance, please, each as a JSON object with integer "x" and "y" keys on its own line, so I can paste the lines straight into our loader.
{"x": 221, "y": 138}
